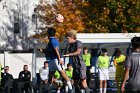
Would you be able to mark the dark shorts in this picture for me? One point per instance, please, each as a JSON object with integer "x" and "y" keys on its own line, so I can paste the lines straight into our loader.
{"x": 79, "y": 73}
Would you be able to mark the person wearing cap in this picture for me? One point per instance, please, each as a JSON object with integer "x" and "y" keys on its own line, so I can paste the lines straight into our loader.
{"x": 55, "y": 61}
{"x": 132, "y": 69}
{"x": 119, "y": 64}
{"x": 103, "y": 65}
{"x": 79, "y": 67}
{"x": 6, "y": 81}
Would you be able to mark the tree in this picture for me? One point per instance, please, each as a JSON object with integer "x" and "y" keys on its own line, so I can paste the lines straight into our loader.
{"x": 92, "y": 16}
{"x": 113, "y": 15}
{"x": 72, "y": 17}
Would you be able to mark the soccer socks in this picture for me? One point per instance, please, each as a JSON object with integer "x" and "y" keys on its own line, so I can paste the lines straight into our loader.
{"x": 87, "y": 90}
{"x": 66, "y": 89}
{"x": 69, "y": 85}
{"x": 101, "y": 89}
{"x": 58, "y": 91}
{"x": 104, "y": 89}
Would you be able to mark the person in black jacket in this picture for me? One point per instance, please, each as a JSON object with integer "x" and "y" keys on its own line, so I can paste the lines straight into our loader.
{"x": 24, "y": 80}
{"x": 6, "y": 81}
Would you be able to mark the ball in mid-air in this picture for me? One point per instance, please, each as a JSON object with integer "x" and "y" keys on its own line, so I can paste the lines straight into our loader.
{"x": 59, "y": 18}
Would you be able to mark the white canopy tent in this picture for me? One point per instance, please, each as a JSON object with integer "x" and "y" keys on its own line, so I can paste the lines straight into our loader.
{"x": 106, "y": 37}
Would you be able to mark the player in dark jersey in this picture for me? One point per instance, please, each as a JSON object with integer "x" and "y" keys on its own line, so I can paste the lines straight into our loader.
{"x": 132, "y": 69}
{"x": 75, "y": 55}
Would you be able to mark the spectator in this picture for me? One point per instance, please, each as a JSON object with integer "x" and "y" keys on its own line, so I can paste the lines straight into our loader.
{"x": 52, "y": 54}
{"x": 7, "y": 79}
{"x": 86, "y": 57}
{"x": 24, "y": 80}
{"x": 69, "y": 72}
{"x": 79, "y": 67}
{"x": 103, "y": 64}
{"x": 132, "y": 69}
{"x": 119, "y": 64}
{"x": 44, "y": 72}
{"x": 57, "y": 80}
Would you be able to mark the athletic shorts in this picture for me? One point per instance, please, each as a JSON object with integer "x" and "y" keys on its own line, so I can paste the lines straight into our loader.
{"x": 103, "y": 74}
{"x": 54, "y": 65}
{"x": 79, "y": 73}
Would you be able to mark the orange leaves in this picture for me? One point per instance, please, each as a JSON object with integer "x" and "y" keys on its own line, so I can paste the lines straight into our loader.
{"x": 90, "y": 16}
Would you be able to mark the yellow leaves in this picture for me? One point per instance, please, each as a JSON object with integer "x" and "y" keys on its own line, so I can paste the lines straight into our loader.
{"x": 85, "y": 4}
{"x": 137, "y": 29}
{"x": 92, "y": 16}
{"x": 77, "y": 12}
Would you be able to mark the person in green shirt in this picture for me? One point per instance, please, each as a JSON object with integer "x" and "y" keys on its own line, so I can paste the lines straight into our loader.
{"x": 119, "y": 64}
{"x": 69, "y": 70}
{"x": 103, "y": 65}
{"x": 69, "y": 73}
{"x": 57, "y": 75}
{"x": 86, "y": 57}
{"x": 57, "y": 81}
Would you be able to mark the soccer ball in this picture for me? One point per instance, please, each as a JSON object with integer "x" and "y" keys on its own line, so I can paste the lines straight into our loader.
{"x": 59, "y": 18}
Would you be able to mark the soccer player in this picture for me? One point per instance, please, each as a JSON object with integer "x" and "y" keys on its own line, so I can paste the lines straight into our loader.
{"x": 86, "y": 57}
{"x": 132, "y": 69}
{"x": 69, "y": 72}
{"x": 55, "y": 61}
{"x": 103, "y": 64}
{"x": 119, "y": 64}
{"x": 79, "y": 67}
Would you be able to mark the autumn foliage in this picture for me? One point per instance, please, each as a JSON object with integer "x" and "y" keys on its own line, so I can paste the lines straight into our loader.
{"x": 91, "y": 16}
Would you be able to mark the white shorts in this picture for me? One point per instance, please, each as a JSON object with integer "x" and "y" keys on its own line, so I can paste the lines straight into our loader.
{"x": 103, "y": 74}
{"x": 54, "y": 65}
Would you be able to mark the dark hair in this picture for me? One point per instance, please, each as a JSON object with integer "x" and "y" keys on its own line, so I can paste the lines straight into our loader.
{"x": 104, "y": 50}
{"x": 84, "y": 48}
{"x": 69, "y": 64}
{"x": 25, "y": 66}
{"x": 118, "y": 52}
{"x": 46, "y": 62}
{"x": 51, "y": 32}
{"x": 6, "y": 67}
{"x": 135, "y": 41}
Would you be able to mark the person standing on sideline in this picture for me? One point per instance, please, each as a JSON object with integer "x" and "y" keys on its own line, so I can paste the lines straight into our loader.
{"x": 103, "y": 65}
{"x": 44, "y": 75}
{"x": 86, "y": 57}
{"x": 55, "y": 61}
{"x": 132, "y": 69}
{"x": 119, "y": 64}
{"x": 79, "y": 67}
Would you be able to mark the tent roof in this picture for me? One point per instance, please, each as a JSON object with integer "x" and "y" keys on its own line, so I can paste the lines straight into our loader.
{"x": 106, "y": 37}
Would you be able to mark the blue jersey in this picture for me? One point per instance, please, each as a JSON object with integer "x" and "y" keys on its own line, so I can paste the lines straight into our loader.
{"x": 54, "y": 42}
{"x": 51, "y": 53}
